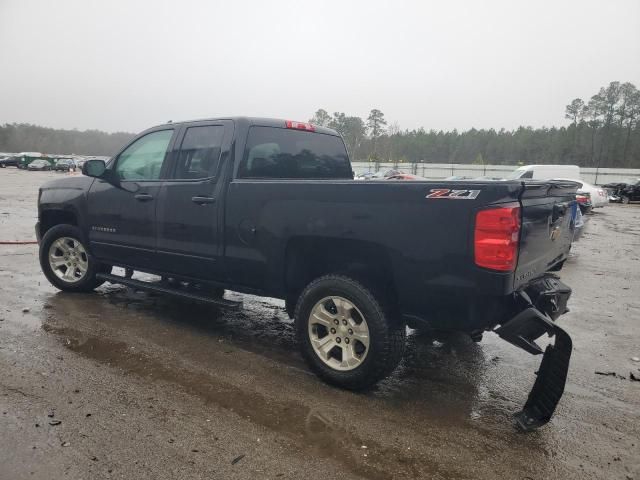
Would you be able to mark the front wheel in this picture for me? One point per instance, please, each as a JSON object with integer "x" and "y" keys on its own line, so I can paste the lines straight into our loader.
{"x": 625, "y": 200}
{"x": 67, "y": 263}
{"x": 345, "y": 333}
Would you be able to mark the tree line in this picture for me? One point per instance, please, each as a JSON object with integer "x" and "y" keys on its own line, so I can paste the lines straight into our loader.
{"x": 603, "y": 132}
{"x": 22, "y": 137}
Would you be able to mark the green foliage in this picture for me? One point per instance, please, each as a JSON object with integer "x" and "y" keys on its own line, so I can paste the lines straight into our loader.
{"x": 352, "y": 129}
{"x": 22, "y": 137}
{"x": 321, "y": 118}
{"x": 376, "y": 123}
{"x": 575, "y": 110}
{"x": 605, "y": 132}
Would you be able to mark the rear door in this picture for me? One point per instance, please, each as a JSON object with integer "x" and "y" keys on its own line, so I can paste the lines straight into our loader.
{"x": 547, "y": 227}
{"x": 189, "y": 212}
{"x": 259, "y": 197}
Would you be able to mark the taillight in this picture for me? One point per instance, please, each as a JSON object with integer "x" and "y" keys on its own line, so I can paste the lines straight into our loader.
{"x": 582, "y": 199}
{"x": 496, "y": 238}
{"x": 300, "y": 126}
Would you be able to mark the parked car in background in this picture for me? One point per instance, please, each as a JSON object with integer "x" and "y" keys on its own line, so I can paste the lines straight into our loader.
{"x": 379, "y": 175}
{"x": 65, "y": 165}
{"x": 459, "y": 177}
{"x": 8, "y": 161}
{"x": 584, "y": 202}
{"x": 578, "y": 222}
{"x": 406, "y": 176}
{"x": 624, "y": 192}
{"x": 598, "y": 196}
{"x": 545, "y": 172}
{"x": 25, "y": 158}
{"x": 39, "y": 165}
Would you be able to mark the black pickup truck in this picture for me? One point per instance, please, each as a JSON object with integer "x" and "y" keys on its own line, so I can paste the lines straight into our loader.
{"x": 270, "y": 207}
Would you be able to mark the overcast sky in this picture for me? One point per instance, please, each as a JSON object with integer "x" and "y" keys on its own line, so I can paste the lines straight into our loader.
{"x": 127, "y": 65}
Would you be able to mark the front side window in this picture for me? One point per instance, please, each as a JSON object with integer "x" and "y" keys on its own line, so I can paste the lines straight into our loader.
{"x": 200, "y": 152}
{"x": 142, "y": 160}
{"x": 285, "y": 153}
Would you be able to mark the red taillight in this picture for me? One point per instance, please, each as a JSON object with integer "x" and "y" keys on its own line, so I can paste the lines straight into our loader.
{"x": 582, "y": 199}
{"x": 300, "y": 126}
{"x": 496, "y": 238}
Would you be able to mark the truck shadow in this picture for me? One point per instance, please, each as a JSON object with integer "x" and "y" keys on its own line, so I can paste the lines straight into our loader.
{"x": 437, "y": 367}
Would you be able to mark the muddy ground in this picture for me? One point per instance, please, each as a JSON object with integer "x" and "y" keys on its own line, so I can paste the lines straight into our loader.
{"x": 122, "y": 384}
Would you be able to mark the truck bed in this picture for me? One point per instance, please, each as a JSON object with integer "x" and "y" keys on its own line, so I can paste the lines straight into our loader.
{"x": 427, "y": 242}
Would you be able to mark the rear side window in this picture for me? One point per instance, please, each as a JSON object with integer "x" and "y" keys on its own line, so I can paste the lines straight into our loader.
{"x": 285, "y": 153}
{"x": 200, "y": 152}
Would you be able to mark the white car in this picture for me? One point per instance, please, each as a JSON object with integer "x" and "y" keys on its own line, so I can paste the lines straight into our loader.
{"x": 599, "y": 196}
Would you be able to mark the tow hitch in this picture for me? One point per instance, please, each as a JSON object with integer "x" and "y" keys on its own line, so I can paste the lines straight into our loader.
{"x": 540, "y": 304}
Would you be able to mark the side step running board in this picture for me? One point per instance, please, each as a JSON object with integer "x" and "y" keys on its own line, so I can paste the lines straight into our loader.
{"x": 160, "y": 288}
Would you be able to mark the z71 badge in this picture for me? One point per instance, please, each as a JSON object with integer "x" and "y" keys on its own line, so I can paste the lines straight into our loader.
{"x": 453, "y": 194}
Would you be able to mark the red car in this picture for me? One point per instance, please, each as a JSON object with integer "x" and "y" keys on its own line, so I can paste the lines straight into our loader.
{"x": 405, "y": 176}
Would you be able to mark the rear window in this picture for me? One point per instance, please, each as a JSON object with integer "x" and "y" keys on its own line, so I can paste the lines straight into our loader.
{"x": 285, "y": 153}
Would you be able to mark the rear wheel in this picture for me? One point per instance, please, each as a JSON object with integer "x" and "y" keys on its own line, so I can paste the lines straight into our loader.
{"x": 345, "y": 333}
{"x": 625, "y": 200}
{"x": 67, "y": 263}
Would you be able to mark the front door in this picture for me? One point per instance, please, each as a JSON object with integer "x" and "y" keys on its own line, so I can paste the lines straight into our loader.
{"x": 190, "y": 205}
{"x": 122, "y": 211}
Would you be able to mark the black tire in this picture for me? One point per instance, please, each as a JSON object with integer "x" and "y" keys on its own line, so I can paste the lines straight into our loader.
{"x": 625, "y": 200}
{"x": 387, "y": 337}
{"x": 89, "y": 281}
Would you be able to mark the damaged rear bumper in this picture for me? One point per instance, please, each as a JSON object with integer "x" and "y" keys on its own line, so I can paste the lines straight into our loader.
{"x": 538, "y": 306}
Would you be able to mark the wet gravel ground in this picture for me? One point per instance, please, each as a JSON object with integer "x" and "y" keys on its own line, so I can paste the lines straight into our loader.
{"x": 123, "y": 384}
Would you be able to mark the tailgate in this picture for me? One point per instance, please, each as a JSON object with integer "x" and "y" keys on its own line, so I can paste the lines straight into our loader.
{"x": 547, "y": 227}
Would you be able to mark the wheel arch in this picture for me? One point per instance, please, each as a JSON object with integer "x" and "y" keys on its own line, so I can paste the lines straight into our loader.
{"x": 307, "y": 258}
{"x": 56, "y": 216}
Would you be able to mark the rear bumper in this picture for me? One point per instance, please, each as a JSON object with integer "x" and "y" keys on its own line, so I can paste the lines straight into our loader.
{"x": 538, "y": 306}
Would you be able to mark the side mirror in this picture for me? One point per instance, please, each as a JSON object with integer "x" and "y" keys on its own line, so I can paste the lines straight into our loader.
{"x": 94, "y": 168}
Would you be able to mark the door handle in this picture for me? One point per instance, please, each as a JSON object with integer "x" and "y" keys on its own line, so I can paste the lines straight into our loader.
{"x": 143, "y": 197}
{"x": 203, "y": 200}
